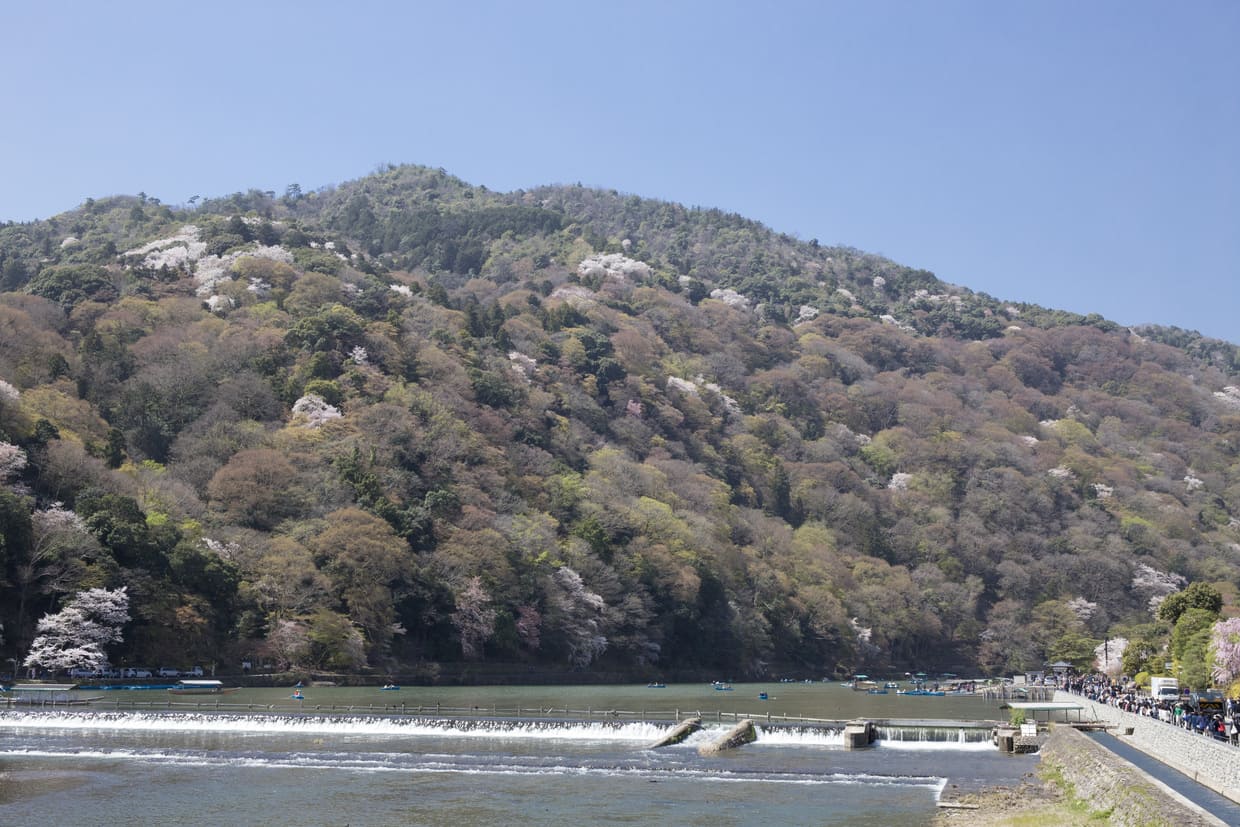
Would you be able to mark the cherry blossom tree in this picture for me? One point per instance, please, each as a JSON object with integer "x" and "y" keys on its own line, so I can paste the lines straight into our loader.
{"x": 579, "y": 614}
{"x": 75, "y": 636}
{"x": 288, "y": 643}
{"x": 53, "y": 563}
{"x": 12, "y": 460}
{"x": 1109, "y": 656}
{"x": 529, "y": 627}
{"x": 474, "y": 618}
{"x": 1225, "y": 645}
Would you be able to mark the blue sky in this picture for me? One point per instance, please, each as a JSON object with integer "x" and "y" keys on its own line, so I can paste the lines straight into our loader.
{"x": 1084, "y": 156}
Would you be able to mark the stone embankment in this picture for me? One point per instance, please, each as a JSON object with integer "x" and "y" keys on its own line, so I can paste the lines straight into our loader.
{"x": 1211, "y": 763}
{"x": 1106, "y": 783}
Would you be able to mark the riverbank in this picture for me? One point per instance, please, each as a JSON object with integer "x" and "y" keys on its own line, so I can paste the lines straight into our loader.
{"x": 1078, "y": 782}
{"x": 1033, "y": 802}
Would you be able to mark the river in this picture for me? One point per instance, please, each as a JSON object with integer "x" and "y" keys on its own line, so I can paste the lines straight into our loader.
{"x": 311, "y": 762}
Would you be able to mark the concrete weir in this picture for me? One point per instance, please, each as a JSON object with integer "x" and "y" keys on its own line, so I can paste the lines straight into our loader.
{"x": 682, "y": 731}
{"x": 858, "y": 734}
{"x": 742, "y": 733}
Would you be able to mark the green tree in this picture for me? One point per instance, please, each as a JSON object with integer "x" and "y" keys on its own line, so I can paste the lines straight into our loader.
{"x": 1197, "y": 596}
{"x": 1190, "y": 641}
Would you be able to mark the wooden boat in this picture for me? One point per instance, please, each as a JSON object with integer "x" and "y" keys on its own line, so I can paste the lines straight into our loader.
{"x": 202, "y": 688}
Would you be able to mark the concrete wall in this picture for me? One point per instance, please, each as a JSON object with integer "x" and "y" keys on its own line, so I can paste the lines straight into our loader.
{"x": 1212, "y": 763}
{"x": 1109, "y": 783}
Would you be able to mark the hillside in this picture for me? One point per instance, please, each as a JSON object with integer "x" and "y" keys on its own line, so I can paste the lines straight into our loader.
{"x": 408, "y": 421}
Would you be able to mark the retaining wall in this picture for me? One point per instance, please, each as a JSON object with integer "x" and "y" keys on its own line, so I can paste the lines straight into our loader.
{"x": 1109, "y": 783}
{"x": 1211, "y": 763}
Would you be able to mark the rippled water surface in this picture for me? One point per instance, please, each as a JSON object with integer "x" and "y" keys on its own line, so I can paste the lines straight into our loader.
{"x": 294, "y": 764}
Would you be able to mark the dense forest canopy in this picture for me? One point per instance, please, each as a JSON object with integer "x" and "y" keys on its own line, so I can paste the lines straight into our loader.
{"x": 410, "y": 421}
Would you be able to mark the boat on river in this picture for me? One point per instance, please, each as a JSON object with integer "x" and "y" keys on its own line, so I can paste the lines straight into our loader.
{"x": 932, "y": 693}
{"x": 207, "y": 687}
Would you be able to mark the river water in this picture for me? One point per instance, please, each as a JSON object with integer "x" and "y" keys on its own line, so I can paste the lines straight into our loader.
{"x": 311, "y": 762}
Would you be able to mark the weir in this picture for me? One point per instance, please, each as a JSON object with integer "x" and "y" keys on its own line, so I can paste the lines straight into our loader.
{"x": 648, "y": 732}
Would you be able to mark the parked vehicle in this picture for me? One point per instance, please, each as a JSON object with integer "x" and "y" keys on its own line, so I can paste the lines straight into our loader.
{"x": 195, "y": 672}
{"x": 1164, "y": 689}
{"x": 136, "y": 672}
{"x": 169, "y": 672}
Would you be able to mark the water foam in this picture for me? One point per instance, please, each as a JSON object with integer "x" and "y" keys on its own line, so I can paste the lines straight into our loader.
{"x": 469, "y": 765}
{"x": 353, "y": 725}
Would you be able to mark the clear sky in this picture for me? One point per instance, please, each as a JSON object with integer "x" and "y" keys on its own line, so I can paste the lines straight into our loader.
{"x": 1081, "y": 155}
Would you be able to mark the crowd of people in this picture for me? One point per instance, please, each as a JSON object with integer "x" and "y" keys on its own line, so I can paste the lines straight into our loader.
{"x": 1216, "y": 719}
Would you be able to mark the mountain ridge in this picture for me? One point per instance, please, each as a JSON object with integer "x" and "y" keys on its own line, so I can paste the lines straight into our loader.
{"x": 571, "y": 426}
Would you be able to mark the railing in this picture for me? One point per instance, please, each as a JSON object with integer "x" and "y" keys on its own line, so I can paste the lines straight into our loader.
{"x": 1034, "y": 694}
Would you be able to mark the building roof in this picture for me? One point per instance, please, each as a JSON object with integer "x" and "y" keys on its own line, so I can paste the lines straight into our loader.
{"x": 1044, "y": 706}
{"x": 43, "y": 687}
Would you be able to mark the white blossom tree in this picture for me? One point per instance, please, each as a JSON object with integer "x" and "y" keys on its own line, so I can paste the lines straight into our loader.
{"x": 60, "y": 537}
{"x": 288, "y": 643}
{"x": 1109, "y": 656}
{"x": 474, "y": 618}
{"x": 75, "y": 636}
{"x": 1155, "y": 585}
{"x": 579, "y": 615}
{"x": 12, "y": 460}
{"x": 313, "y": 410}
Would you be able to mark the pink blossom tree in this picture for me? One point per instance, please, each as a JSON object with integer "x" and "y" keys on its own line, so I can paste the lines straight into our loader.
{"x": 1225, "y": 645}
{"x": 529, "y": 627}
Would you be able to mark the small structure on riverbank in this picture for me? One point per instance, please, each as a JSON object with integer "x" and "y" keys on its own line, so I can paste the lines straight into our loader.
{"x": 1065, "y": 710}
{"x": 45, "y": 694}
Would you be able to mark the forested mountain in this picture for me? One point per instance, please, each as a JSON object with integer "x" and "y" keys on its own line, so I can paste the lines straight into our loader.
{"x": 411, "y": 421}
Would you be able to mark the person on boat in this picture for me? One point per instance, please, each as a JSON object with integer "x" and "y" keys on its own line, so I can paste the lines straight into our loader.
{"x": 297, "y": 696}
